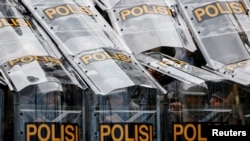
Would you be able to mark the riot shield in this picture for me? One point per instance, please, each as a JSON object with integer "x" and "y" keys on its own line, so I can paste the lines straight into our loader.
{"x": 92, "y": 46}
{"x": 177, "y": 69}
{"x": 145, "y": 24}
{"x": 34, "y": 96}
{"x": 48, "y": 100}
{"x": 221, "y": 34}
{"x": 126, "y": 114}
{"x": 151, "y": 27}
{"x": 50, "y": 111}
{"x": 205, "y": 104}
{"x": 31, "y": 67}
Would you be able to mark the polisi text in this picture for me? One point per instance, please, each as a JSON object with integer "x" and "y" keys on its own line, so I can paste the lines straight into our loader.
{"x": 65, "y": 10}
{"x": 218, "y": 8}
{"x": 144, "y": 9}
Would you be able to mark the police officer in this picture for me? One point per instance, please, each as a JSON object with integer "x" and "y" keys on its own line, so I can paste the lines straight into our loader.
{"x": 191, "y": 99}
{"x": 119, "y": 101}
{"x": 185, "y": 102}
{"x": 50, "y": 101}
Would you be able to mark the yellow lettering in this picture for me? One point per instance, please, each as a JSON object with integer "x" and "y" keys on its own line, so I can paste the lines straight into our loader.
{"x": 77, "y": 133}
{"x": 127, "y": 134}
{"x": 146, "y": 9}
{"x": 86, "y": 59}
{"x": 155, "y": 9}
{"x": 104, "y": 128}
{"x": 48, "y": 132}
{"x": 61, "y": 10}
{"x": 118, "y": 127}
{"x": 151, "y": 133}
{"x": 124, "y": 57}
{"x": 143, "y": 133}
{"x": 99, "y": 56}
{"x": 137, "y": 11}
{"x": 136, "y": 132}
{"x": 73, "y": 10}
{"x": 238, "y": 7}
{"x": 54, "y": 60}
{"x": 178, "y": 130}
{"x": 218, "y": 8}
{"x": 163, "y": 10}
{"x": 62, "y": 132}
{"x": 21, "y": 22}
{"x": 212, "y": 11}
{"x": 68, "y": 130}
{"x": 6, "y": 23}
{"x": 30, "y": 128}
{"x": 107, "y": 55}
{"x": 13, "y": 62}
{"x": 53, "y": 134}
{"x": 103, "y": 56}
{"x": 226, "y": 11}
{"x": 14, "y": 21}
{"x": 199, "y": 134}
{"x": 46, "y": 127}
{"x": 186, "y": 131}
{"x": 199, "y": 12}
{"x": 85, "y": 10}
{"x": 50, "y": 12}
{"x": 124, "y": 14}
{"x": 27, "y": 59}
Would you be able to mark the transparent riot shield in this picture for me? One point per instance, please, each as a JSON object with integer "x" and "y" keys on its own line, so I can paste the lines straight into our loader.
{"x": 220, "y": 103}
{"x": 33, "y": 71}
{"x": 222, "y": 38}
{"x": 92, "y": 47}
{"x": 145, "y": 24}
{"x": 49, "y": 111}
{"x": 126, "y": 114}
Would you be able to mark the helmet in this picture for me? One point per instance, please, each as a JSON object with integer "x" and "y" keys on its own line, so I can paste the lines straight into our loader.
{"x": 47, "y": 87}
{"x": 220, "y": 94}
{"x": 193, "y": 95}
{"x": 50, "y": 93}
{"x": 53, "y": 84}
{"x": 193, "y": 89}
{"x": 117, "y": 93}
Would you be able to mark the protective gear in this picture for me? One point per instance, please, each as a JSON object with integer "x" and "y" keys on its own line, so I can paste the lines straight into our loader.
{"x": 49, "y": 94}
{"x": 193, "y": 89}
{"x": 52, "y": 85}
{"x": 117, "y": 95}
{"x": 118, "y": 92}
{"x": 220, "y": 95}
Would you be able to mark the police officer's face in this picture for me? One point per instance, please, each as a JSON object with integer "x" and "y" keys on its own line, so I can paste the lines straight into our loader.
{"x": 116, "y": 100}
{"x": 215, "y": 101}
{"x": 51, "y": 99}
{"x": 193, "y": 100}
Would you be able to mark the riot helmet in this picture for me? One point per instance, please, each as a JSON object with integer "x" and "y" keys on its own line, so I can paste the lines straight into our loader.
{"x": 193, "y": 89}
{"x": 193, "y": 95}
{"x": 117, "y": 99}
{"x": 53, "y": 84}
{"x": 49, "y": 94}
